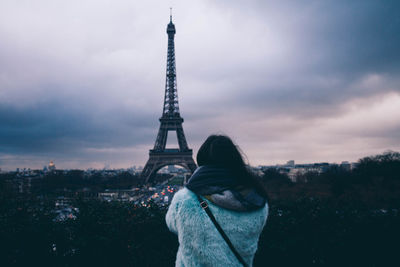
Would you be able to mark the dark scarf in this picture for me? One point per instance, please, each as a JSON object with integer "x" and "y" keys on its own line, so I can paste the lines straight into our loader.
{"x": 224, "y": 188}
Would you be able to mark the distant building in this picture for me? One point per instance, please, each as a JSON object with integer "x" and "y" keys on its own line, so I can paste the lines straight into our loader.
{"x": 52, "y": 166}
{"x": 290, "y": 163}
{"x": 345, "y": 165}
{"x": 295, "y": 172}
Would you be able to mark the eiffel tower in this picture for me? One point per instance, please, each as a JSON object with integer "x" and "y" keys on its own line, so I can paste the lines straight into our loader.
{"x": 170, "y": 120}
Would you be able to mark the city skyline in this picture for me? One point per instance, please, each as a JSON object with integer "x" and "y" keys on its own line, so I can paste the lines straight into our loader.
{"x": 82, "y": 83}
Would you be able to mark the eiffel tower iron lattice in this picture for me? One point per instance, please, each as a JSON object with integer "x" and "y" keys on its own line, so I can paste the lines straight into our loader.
{"x": 170, "y": 120}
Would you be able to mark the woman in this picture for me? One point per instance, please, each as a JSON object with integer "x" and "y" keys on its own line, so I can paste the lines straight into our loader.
{"x": 236, "y": 198}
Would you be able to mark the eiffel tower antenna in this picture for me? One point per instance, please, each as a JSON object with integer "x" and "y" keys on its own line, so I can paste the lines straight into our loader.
{"x": 170, "y": 121}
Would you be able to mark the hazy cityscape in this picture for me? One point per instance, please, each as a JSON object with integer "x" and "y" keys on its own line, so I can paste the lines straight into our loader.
{"x": 127, "y": 185}
{"x": 22, "y": 179}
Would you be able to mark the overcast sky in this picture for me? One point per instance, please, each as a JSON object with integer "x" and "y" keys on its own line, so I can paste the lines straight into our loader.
{"x": 82, "y": 82}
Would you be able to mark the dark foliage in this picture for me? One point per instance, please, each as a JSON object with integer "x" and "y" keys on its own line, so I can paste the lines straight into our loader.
{"x": 311, "y": 232}
{"x": 335, "y": 218}
{"x": 75, "y": 180}
{"x": 104, "y": 234}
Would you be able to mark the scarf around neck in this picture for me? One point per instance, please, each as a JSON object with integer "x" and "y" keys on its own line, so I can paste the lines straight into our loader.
{"x": 224, "y": 188}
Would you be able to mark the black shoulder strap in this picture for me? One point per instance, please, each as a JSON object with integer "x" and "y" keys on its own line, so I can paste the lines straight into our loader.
{"x": 204, "y": 205}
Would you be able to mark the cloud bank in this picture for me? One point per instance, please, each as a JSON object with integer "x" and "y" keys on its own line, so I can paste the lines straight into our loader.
{"x": 82, "y": 82}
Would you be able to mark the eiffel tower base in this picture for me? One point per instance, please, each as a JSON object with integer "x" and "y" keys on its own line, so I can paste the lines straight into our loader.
{"x": 160, "y": 159}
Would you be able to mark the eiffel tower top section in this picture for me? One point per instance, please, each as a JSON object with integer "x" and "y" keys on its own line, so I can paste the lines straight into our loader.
{"x": 171, "y": 106}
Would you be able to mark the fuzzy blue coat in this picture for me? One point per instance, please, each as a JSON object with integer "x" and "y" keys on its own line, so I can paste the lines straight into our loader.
{"x": 200, "y": 243}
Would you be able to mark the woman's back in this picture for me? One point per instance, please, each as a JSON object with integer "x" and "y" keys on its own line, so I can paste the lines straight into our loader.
{"x": 200, "y": 242}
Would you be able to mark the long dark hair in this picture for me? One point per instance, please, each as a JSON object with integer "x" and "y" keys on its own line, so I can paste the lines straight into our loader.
{"x": 220, "y": 150}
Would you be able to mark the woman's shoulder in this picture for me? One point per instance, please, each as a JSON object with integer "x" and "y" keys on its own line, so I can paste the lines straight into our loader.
{"x": 183, "y": 194}
{"x": 185, "y": 202}
{"x": 188, "y": 199}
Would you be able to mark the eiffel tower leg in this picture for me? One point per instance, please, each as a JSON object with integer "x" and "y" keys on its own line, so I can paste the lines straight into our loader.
{"x": 181, "y": 138}
{"x": 161, "y": 140}
{"x": 147, "y": 170}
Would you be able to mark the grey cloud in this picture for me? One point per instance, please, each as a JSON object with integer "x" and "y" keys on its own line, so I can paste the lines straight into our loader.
{"x": 338, "y": 36}
{"x": 87, "y": 88}
{"x": 334, "y": 49}
{"x": 69, "y": 126}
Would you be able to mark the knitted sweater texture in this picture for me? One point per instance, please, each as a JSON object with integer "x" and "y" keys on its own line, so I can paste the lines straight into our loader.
{"x": 200, "y": 243}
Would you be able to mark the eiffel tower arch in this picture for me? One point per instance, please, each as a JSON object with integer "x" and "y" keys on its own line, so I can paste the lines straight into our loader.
{"x": 170, "y": 121}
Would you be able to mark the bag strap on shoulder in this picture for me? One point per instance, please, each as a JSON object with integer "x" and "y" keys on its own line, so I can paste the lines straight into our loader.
{"x": 204, "y": 206}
